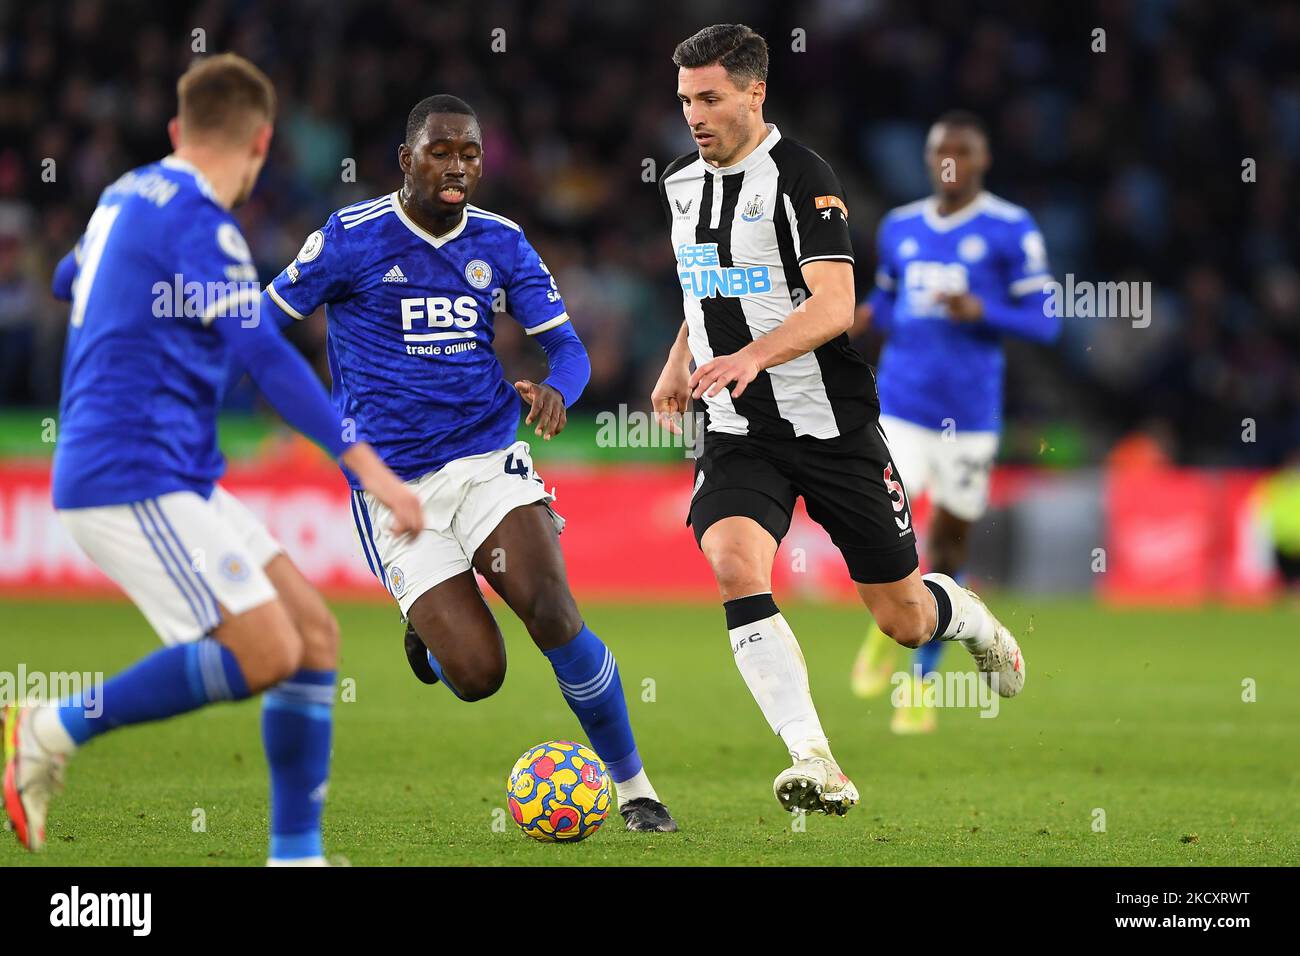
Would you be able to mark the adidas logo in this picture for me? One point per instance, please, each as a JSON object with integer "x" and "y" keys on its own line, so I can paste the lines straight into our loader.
{"x": 395, "y": 274}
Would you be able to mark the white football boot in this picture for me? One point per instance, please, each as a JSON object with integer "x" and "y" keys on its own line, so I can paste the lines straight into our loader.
{"x": 815, "y": 785}
{"x": 1001, "y": 665}
{"x": 32, "y": 777}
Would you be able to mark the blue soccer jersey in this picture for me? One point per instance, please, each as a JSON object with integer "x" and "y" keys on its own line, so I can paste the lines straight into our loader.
{"x": 931, "y": 367}
{"x": 410, "y": 319}
{"x": 144, "y": 369}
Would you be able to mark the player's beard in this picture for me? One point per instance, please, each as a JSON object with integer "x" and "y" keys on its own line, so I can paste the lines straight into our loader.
{"x": 732, "y": 137}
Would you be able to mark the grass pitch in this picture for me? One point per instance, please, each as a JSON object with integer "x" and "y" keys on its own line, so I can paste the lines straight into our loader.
{"x": 1134, "y": 721}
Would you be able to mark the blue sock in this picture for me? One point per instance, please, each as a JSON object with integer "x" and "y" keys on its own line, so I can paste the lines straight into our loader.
{"x": 588, "y": 676}
{"x": 437, "y": 669}
{"x": 168, "y": 682}
{"x": 297, "y": 721}
{"x": 927, "y": 657}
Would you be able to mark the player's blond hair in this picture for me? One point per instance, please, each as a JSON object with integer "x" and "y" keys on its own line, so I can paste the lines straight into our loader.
{"x": 224, "y": 96}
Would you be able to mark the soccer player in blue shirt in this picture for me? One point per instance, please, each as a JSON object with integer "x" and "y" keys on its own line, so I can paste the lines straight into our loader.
{"x": 412, "y": 283}
{"x": 164, "y": 296}
{"x": 956, "y": 273}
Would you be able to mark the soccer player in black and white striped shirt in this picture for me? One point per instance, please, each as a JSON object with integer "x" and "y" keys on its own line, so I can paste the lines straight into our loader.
{"x": 760, "y": 232}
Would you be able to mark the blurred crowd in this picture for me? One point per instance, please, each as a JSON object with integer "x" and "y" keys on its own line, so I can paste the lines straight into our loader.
{"x": 1129, "y": 145}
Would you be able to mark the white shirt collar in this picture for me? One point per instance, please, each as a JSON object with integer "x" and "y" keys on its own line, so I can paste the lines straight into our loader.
{"x": 174, "y": 162}
{"x": 430, "y": 238}
{"x": 754, "y": 158}
{"x": 962, "y": 216}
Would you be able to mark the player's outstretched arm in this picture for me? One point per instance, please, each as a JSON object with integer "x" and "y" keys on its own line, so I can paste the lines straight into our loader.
{"x": 1027, "y": 316}
{"x": 673, "y": 390}
{"x": 378, "y": 479}
{"x": 1023, "y": 309}
{"x": 289, "y": 384}
{"x": 546, "y": 407}
{"x": 570, "y": 370}
{"x": 877, "y": 312}
{"x": 825, "y": 314}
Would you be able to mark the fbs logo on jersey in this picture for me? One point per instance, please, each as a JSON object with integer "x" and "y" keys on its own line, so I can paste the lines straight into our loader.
{"x": 753, "y": 210}
{"x": 702, "y": 276}
{"x": 438, "y": 312}
{"x": 926, "y": 283}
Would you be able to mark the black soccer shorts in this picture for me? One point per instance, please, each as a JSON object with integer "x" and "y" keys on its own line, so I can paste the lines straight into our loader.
{"x": 849, "y": 484}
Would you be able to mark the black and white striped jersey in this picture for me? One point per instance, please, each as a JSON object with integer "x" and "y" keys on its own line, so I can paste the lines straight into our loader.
{"x": 741, "y": 235}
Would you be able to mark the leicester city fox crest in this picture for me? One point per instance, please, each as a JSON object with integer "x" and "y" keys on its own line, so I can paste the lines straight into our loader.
{"x": 478, "y": 273}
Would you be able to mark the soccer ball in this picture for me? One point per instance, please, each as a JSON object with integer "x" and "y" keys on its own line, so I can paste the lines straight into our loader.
{"x": 559, "y": 792}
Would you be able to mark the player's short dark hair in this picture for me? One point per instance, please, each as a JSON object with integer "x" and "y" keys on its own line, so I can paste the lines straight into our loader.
{"x": 740, "y": 51}
{"x": 224, "y": 94}
{"x": 438, "y": 103}
{"x": 963, "y": 119}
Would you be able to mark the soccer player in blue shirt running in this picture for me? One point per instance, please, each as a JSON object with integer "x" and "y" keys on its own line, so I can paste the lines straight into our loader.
{"x": 412, "y": 282}
{"x": 137, "y": 461}
{"x": 957, "y": 271}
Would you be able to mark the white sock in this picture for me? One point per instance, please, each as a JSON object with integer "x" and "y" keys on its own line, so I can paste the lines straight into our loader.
{"x": 634, "y": 788}
{"x": 970, "y": 624}
{"x": 49, "y": 731}
{"x": 773, "y": 667}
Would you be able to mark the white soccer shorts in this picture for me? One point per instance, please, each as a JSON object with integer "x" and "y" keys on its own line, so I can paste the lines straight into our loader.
{"x": 463, "y": 503}
{"x": 954, "y": 467}
{"x": 182, "y": 559}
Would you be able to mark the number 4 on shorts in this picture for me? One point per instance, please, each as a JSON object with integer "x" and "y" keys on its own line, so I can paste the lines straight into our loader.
{"x": 519, "y": 468}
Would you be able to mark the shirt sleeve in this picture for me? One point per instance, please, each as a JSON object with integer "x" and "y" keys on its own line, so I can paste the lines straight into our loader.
{"x": 1024, "y": 311}
{"x": 819, "y": 217}
{"x": 886, "y": 267}
{"x": 65, "y": 274}
{"x": 319, "y": 274}
{"x": 663, "y": 196}
{"x": 883, "y": 293}
{"x": 1026, "y": 259}
{"x": 532, "y": 296}
{"x": 215, "y": 255}
{"x": 287, "y": 381}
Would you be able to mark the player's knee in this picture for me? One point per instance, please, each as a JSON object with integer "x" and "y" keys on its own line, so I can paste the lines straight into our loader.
{"x": 738, "y": 574}
{"x": 265, "y": 642}
{"x": 551, "y": 616}
{"x": 477, "y": 679}
{"x": 319, "y": 630}
{"x": 905, "y": 624}
{"x": 277, "y": 658}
